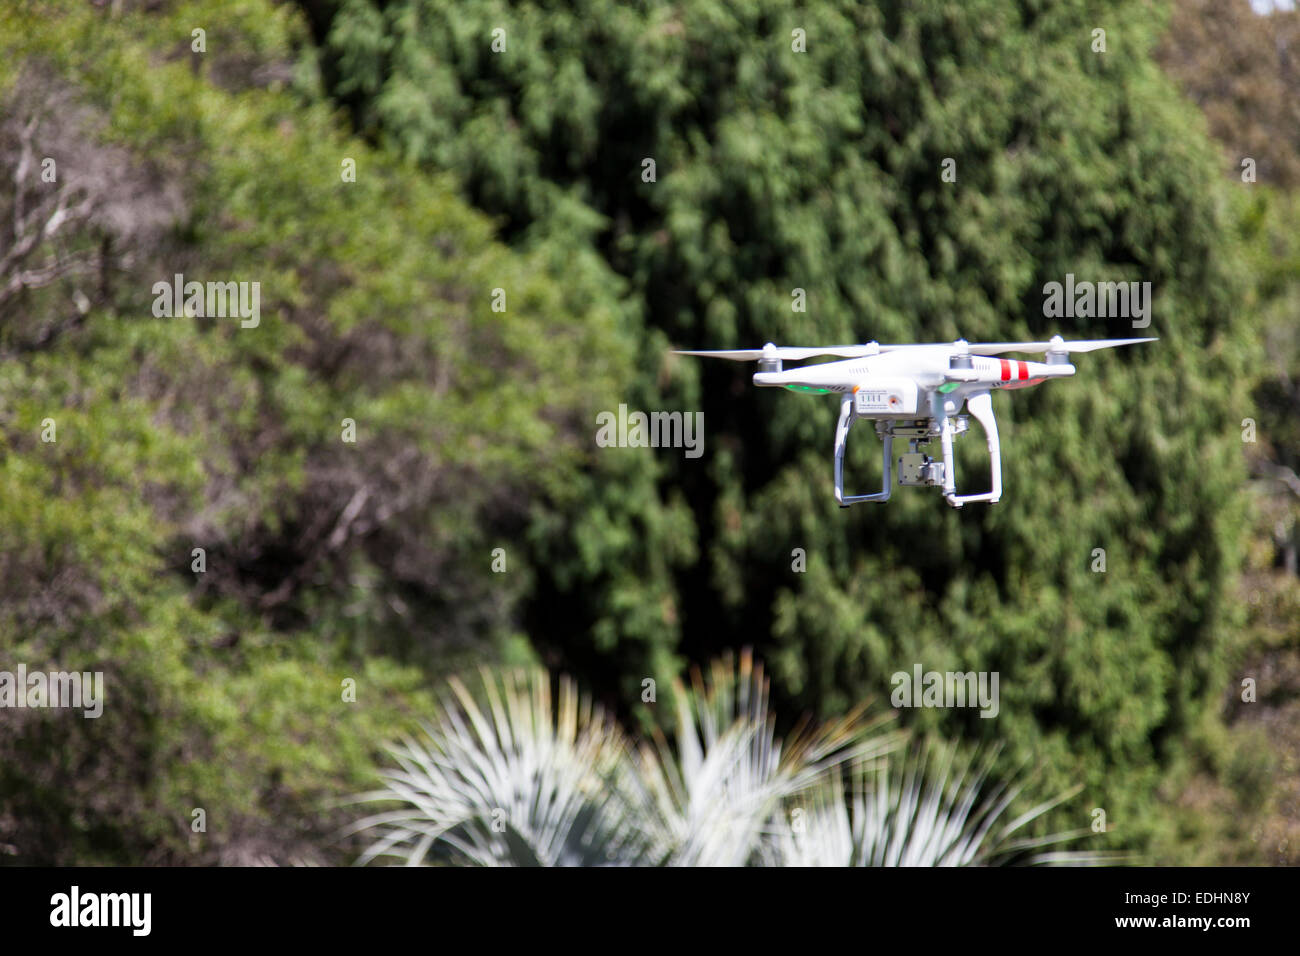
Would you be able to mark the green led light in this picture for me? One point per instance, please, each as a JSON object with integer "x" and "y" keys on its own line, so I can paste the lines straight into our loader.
{"x": 949, "y": 386}
{"x": 808, "y": 388}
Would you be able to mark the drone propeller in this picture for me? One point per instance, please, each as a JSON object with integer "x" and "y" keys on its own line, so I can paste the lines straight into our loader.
{"x": 771, "y": 352}
{"x": 1057, "y": 344}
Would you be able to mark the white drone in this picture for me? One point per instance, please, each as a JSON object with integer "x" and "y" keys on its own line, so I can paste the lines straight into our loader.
{"x": 915, "y": 392}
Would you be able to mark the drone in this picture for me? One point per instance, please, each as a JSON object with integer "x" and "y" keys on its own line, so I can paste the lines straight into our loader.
{"x": 915, "y": 393}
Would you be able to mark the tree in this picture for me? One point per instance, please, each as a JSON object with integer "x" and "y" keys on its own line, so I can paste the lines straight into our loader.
{"x": 822, "y": 169}
{"x": 323, "y": 560}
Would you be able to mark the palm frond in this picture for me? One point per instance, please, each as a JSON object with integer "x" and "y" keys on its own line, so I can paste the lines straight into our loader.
{"x": 935, "y": 809}
{"x": 516, "y": 782}
{"x": 511, "y": 778}
{"x": 716, "y": 799}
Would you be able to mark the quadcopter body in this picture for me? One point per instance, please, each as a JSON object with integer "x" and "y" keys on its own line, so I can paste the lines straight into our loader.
{"x": 916, "y": 393}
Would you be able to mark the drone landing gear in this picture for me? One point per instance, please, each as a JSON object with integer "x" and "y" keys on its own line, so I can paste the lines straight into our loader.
{"x": 981, "y": 406}
{"x": 917, "y": 468}
{"x": 841, "y": 439}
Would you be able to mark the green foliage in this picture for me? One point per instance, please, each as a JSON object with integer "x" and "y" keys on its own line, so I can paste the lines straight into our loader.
{"x": 325, "y": 560}
{"x": 775, "y": 171}
{"x": 1240, "y": 69}
{"x": 779, "y": 170}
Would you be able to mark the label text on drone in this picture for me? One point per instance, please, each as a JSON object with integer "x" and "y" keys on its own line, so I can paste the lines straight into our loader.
{"x": 888, "y": 396}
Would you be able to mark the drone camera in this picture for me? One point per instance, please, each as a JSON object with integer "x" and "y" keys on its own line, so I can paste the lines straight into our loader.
{"x": 916, "y": 468}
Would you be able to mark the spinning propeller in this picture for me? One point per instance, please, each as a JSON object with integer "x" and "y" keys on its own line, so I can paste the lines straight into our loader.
{"x": 1057, "y": 344}
{"x": 771, "y": 352}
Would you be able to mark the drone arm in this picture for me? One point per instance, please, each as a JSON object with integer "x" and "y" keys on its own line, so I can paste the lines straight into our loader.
{"x": 980, "y": 405}
{"x": 949, "y": 466}
{"x": 841, "y": 440}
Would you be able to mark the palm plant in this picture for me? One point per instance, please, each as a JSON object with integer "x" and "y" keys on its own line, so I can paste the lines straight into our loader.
{"x": 714, "y": 800}
{"x": 517, "y": 783}
{"x": 513, "y": 780}
{"x": 936, "y": 808}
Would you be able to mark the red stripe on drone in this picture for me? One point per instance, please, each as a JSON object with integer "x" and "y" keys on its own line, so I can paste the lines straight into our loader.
{"x": 1023, "y": 369}
{"x": 1006, "y": 370}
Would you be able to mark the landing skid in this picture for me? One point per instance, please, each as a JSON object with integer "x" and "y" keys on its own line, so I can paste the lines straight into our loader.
{"x": 916, "y": 468}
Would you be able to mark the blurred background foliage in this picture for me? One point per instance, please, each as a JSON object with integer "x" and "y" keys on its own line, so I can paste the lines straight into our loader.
{"x": 522, "y": 171}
